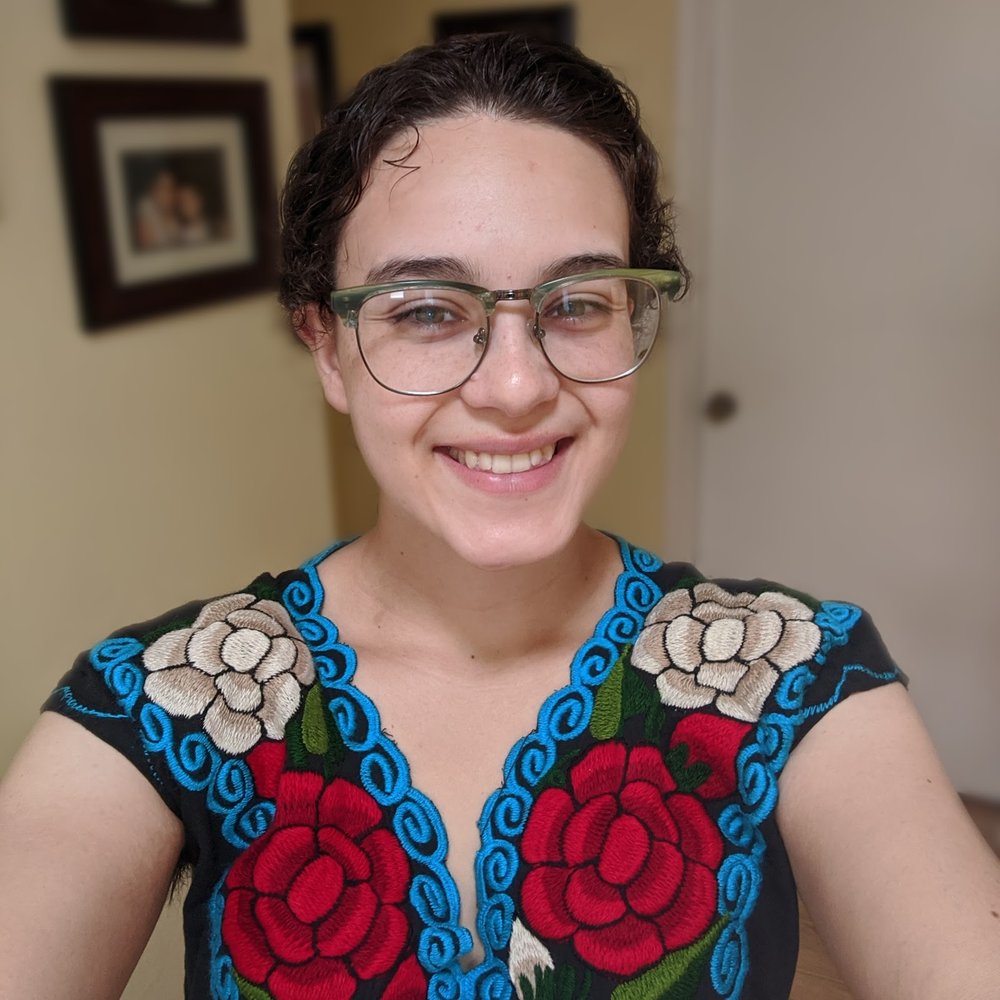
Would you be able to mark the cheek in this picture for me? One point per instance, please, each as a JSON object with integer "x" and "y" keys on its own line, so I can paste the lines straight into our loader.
{"x": 387, "y": 428}
{"x": 615, "y": 409}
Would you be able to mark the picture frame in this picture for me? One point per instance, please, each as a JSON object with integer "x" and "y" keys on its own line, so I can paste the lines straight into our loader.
{"x": 211, "y": 21}
{"x": 556, "y": 23}
{"x": 314, "y": 66}
{"x": 169, "y": 192}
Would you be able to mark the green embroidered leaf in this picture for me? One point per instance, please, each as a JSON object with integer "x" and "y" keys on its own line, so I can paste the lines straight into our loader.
{"x": 336, "y": 751}
{"x": 639, "y": 694}
{"x": 606, "y": 719}
{"x": 640, "y": 697}
{"x": 566, "y": 986}
{"x": 314, "y": 733}
{"x": 250, "y": 991}
{"x": 265, "y": 588}
{"x": 527, "y": 990}
{"x": 687, "y": 583}
{"x": 556, "y": 984}
{"x": 297, "y": 756}
{"x": 676, "y": 759}
{"x": 688, "y": 776}
{"x": 693, "y": 777}
{"x": 678, "y": 976}
{"x": 558, "y": 776}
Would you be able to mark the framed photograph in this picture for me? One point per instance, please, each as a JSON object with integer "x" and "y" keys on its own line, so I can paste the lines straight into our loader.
{"x": 313, "y": 66}
{"x": 169, "y": 192}
{"x": 217, "y": 21}
{"x": 550, "y": 24}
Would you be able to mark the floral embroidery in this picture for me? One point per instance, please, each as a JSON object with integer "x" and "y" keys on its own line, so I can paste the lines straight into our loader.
{"x": 708, "y": 645}
{"x": 623, "y": 863}
{"x": 408, "y": 983}
{"x": 241, "y": 663}
{"x": 529, "y": 958}
{"x": 545, "y": 873}
{"x": 315, "y": 903}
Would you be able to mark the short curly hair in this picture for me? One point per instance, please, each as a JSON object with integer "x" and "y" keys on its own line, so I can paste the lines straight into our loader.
{"x": 504, "y": 75}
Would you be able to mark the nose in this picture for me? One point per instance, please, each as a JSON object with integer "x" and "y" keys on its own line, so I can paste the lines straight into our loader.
{"x": 514, "y": 376}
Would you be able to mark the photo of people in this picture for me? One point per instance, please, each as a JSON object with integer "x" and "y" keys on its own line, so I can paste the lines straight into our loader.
{"x": 175, "y": 199}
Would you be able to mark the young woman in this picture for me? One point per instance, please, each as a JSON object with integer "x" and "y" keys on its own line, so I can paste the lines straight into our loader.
{"x": 485, "y": 750}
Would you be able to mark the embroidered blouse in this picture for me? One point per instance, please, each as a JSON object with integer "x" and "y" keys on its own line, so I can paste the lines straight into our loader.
{"x": 630, "y": 851}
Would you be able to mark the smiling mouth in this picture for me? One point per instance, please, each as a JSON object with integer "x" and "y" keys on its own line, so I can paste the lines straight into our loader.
{"x": 484, "y": 461}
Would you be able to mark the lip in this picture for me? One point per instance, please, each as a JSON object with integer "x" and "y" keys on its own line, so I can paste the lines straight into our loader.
{"x": 528, "y": 481}
{"x": 510, "y": 445}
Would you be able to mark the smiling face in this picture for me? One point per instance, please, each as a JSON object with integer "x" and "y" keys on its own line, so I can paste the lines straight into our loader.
{"x": 499, "y": 470}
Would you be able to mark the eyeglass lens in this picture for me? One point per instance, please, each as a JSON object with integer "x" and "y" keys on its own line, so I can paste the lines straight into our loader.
{"x": 431, "y": 339}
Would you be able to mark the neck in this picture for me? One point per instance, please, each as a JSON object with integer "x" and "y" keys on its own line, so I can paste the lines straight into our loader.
{"x": 419, "y": 592}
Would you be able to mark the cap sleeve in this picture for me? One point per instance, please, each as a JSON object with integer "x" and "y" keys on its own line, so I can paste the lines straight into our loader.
{"x": 187, "y": 696}
{"x": 104, "y": 692}
{"x": 851, "y": 658}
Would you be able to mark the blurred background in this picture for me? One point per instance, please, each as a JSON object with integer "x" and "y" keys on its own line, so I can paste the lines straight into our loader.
{"x": 824, "y": 411}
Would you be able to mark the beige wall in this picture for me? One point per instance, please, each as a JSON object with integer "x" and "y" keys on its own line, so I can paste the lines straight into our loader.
{"x": 178, "y": 456}
{"x": 636, "y": 39}
{"x": 173, "y": 458}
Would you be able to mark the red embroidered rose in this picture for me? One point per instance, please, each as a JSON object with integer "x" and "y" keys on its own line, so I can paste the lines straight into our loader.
{"x": 314, "y": 903}
{"x": 409, "y": 982}
{"x": 623, "y": 864}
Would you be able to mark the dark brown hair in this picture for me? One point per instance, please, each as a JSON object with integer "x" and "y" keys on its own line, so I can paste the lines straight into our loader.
{"x": 505, "y": 75}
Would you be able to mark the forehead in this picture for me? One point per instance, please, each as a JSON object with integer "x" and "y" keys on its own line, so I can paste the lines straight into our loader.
{"x": 508, "y": 196}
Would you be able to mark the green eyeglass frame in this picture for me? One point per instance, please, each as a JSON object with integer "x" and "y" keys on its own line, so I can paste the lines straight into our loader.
{"x": 347, "y": 303}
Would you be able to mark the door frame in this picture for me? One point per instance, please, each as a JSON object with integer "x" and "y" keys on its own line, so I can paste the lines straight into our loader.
{"x": 694, "y": 90}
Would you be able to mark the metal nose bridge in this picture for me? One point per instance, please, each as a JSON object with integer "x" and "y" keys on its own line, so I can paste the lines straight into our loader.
{"x": 511, "y": 294}
{"x": 484, "y": 337}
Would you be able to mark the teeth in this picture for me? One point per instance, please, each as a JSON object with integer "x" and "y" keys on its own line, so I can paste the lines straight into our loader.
{"x": 504, "y": 464}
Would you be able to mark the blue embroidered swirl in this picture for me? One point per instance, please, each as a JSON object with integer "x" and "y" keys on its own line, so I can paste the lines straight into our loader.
{"x": 758, "y": 767}
{"x": 385, "y": 775}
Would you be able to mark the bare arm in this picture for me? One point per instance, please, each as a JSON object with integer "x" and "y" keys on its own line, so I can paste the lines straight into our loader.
{"x": 87, "y": 850}
{"x": 903, "y": 890}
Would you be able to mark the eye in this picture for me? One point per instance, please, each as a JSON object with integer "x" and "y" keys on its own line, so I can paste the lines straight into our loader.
{"x": 430, "y": 312}
{"x": 427, "y": 314}
{"x": 568, "y": 307}
{"x": 576, "y": 309}
{"x": 424, "y": 315}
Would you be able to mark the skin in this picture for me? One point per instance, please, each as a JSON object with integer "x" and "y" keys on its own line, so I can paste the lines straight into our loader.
{"x": 468, "y": 201}
{"x": 471, "y": 591}
{"x": 492, "y": 578}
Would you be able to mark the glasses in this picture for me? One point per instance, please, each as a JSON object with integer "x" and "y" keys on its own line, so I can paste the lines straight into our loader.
{"x": 425, "y": 337}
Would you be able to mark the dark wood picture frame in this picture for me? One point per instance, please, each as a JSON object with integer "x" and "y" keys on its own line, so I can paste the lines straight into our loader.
{"x": 239, "y": 261}
{"x": 220, "y": 21}
{"x": 315, "y": 83}
{"x": 551, "y": 24}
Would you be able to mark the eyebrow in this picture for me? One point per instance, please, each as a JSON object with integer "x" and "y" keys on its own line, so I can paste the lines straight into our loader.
{"x": 461, "y": 269}
{"x": 580, "y": 263}
{"x": 401, "y": 268}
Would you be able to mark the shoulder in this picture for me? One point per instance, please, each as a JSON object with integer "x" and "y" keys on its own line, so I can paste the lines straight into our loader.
{"x": 237, "y": 660}
{"x": 227, "y": 671}
{"x": 266, "y": 588}
{"x": 748, "y": 647}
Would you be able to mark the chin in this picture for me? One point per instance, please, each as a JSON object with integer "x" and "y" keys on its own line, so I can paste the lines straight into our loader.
{"x": 511, "y": 546}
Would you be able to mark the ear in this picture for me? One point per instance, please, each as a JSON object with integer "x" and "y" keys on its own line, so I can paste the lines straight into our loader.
{"x": 317, "y": 330}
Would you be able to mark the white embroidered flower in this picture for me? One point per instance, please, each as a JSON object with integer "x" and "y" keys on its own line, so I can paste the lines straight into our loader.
{"x": 709, "y": 645}
{"x": 241, "y": 663}
{"x": 528, "y": 957}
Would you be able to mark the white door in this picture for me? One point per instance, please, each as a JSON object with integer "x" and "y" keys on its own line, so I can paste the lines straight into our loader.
{"x": 838, "y": 190}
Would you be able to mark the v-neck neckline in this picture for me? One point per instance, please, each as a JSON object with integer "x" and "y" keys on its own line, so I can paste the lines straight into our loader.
{"x": 384, "y": 772}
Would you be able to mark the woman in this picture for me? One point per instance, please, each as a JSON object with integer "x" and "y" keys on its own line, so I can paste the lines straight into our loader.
{"x": 485, "y": 750}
